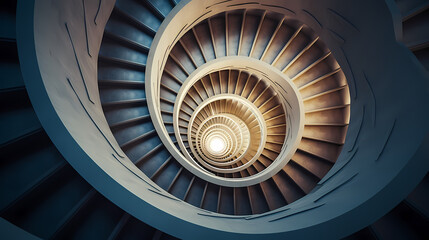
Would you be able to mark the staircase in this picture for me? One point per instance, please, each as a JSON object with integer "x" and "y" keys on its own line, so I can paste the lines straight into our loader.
{"x": 415, "y": 18}
{"x": 44, "y": 196}
{"x": 408, "y": 220}
{"x": 40, "y": 192}
{"x": 287, "y": 46}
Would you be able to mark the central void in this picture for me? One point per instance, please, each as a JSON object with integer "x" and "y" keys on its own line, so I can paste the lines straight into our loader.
{"x": 217, "y": 144}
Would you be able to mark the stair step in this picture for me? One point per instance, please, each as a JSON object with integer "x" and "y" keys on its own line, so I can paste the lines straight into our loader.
{"x": 72, "y": 214}
{"x": 31, "y": 187}
{"x": 124, "y": 103}
{"x": 18, "y": 117}
{"x": 153, "y": 9}
{"x": 134, "y": 21}
{"x": 419, "y": 197}
{"x": 119, "y": 226}
{"x": 7, "y": 19}
{"x": 126, "y": 41}
{"x": 401, "y": 223}
{"x": 10, "y": 70}
{"x": 365, "y": 233}
{"x": 415, "y": 29}
{"x": 131, "y": 121}
{"x": 412, "y": 8}
{"x": 121, "y": 83}
{"x": 122, "y": 62}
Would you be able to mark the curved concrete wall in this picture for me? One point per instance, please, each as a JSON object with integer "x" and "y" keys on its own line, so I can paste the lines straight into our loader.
{"x": 384, "y": 150}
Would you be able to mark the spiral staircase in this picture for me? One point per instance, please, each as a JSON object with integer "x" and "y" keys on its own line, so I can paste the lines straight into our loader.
{"x": 256, "y": 79}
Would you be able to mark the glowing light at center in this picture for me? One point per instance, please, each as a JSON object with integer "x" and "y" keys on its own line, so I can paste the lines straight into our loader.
{"x": 217, "y": 144}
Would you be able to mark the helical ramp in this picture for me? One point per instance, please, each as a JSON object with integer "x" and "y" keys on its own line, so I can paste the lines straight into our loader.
{"x": 214, "y": 119}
